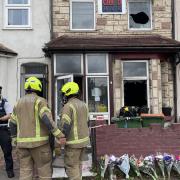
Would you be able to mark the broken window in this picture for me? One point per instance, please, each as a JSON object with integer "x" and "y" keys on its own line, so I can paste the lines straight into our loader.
{"x": 135, "y": 83}
{"x": 140, "y": 14}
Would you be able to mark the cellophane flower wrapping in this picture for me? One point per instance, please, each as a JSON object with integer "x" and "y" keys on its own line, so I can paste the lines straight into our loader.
{"x": 168, "y": 162}
{"x": 111, "y": 164}
{"x": 134, "y": 164}
{"x": 104, "y": 160}
{"x": 160, "y": 162}
{"x": 124, "y": 165}
{"x": 146, "y": 168}
{"x": 176, "y": 164}
{"x": 150, "y": 161}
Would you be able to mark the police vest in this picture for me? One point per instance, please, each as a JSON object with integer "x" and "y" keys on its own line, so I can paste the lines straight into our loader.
{"x": 2, "y": 110}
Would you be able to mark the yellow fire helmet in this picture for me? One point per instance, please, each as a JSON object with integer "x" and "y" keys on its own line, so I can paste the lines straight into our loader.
{"x": 126, "y": 109}
{"x": 33, "y": 83}
{"x": 70, "y": 88}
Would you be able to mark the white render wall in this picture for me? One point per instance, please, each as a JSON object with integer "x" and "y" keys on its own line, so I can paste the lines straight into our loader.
{"x": 177, "y": 36}
{"x": 28, "y": 43}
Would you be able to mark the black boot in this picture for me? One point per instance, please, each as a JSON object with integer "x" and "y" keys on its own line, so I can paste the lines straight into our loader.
{"x": 10, "y": 174}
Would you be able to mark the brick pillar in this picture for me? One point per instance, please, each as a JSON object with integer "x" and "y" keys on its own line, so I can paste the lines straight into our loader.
{"x": 155, "y": 86}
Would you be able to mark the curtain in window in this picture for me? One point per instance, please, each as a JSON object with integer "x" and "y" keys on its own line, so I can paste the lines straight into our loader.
{"x": 17, "y": 1}
{"x": 18, "y": 17}
{"x": 82, "y": 15}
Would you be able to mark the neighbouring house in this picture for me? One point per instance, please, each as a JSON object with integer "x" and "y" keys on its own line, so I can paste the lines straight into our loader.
{"x": 121, "y": 53}
{"x": 6, "y": 55}
{"x": 24, "y": 28}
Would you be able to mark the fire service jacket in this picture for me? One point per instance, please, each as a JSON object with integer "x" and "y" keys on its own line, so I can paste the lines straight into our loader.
{"x": 74, "y": 123}
{"x": 33, "y": 120}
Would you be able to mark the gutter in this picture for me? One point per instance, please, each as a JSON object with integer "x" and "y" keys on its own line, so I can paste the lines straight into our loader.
{"x": 165, "y": 50}
{"x": 5, "y": 53}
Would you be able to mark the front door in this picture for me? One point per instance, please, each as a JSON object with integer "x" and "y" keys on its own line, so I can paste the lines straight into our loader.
{"x": 60, "y": 81}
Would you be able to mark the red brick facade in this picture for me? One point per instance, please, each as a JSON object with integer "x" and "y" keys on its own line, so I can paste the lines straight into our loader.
{"x": 138, "y": 141}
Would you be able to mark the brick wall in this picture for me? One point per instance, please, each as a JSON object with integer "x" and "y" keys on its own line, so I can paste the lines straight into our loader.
{"x": 144, "y": 141}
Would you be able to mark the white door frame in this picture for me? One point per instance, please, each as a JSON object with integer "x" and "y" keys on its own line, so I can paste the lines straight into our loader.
{"x": 70, "y": 78}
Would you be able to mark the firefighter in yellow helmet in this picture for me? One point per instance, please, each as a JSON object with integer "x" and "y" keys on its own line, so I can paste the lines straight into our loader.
{"x": 74, "y": 125}
{"x": 31, "y": 122}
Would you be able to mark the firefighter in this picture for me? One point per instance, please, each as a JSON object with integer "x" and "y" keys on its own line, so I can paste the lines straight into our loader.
{"x": 5, "y": 139}
{"x": 74, "y": 125}
{"x": 32, "y": 121}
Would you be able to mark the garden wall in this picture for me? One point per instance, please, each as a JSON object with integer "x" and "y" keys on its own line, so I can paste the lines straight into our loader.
{"x": 138, "y": 141}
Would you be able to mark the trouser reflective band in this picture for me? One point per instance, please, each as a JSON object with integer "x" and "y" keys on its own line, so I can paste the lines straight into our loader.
{"x": 34, "y": 139}
{"x": 78, "y": 141}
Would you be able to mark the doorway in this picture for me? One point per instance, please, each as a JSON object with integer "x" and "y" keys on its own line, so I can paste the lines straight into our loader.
{"x": 60, "y": 81}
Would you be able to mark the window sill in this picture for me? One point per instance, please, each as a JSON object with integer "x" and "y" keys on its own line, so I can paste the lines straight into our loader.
{"x": 82, "y": 30}
{"x": 17, "y": 28}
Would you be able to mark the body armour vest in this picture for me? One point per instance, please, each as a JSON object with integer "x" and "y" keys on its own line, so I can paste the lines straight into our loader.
{"x": 2, "y": 111}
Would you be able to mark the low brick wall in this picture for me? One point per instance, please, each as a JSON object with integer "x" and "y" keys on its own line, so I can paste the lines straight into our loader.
{"x": 138, "y": 141}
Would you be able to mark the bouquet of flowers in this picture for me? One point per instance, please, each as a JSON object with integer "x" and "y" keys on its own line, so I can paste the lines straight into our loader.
{"x": 123, "y": 165}
{"x": 176, "y": 164}
{"x": 146, "y": 166}
{"x": 168, "y": 162}
{"x": 149, "y": 160}
{"x": 111, "y": 164}
{"x": 160, "y": 162}
{"x": 134, "y": 164}
{"x": 104, "y": 160}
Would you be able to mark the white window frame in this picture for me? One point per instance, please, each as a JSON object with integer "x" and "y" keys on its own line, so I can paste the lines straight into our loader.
{"x": 17, "y": 6}
{"x": 71, "y": 28}
{"x": 100, "y": 8}
{"x": 140, "y": 29}
{"x": 55, "y": 59}
{"x": 137, "y": 78}
{"x": 107, "y": 65}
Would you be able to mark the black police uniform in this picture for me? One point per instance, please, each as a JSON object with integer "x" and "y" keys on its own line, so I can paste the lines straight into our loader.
{"x": 5, "y": 140}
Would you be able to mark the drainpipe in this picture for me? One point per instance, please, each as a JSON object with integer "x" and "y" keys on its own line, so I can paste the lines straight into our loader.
{"x": 173, "y": 18}
{"x": 174, "y": 60}
{"x": 51, "y": 57}
{"x": 51, "y": 18}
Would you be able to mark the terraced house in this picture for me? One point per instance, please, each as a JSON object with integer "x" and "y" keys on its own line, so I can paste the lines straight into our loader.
{"x": 121, "y": 52}
{"x": 24, "y": 28}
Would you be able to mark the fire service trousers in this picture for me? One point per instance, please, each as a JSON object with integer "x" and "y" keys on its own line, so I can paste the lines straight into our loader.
{"x": 73, "y": 162}
{"x": 39, "y": 158}
{"x": 5, "y": 143}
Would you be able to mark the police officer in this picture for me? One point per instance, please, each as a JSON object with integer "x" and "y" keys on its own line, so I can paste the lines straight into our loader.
{"x": 74, "y": 124}
{"x": 31, "y": 121}
{"x": 5, "y": 139}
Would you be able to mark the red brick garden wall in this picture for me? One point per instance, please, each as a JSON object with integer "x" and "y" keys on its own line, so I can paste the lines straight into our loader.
{"x": 138, "y": 141}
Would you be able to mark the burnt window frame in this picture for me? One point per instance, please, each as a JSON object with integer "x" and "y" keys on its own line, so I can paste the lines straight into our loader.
{"x": 136, "y": 78}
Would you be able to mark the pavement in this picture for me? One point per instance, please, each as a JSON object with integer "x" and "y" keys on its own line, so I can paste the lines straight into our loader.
{"x": 3, "y": 175}
{"x": 58, "y": 167}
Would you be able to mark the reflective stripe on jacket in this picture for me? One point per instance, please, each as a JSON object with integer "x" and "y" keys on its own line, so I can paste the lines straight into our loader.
{"x": 27, "y": 114}
{"x": 75, "y": 113}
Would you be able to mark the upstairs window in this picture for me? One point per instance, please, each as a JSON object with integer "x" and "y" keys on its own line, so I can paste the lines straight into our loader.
{"x": 82, "y": 14}
{"x": 140, "y": 14}
{"x": 18, "y": 14}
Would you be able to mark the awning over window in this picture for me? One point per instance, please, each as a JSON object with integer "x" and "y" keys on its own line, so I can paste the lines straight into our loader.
{"x": 6, "y": 51}
{"x": 133, "y": 43}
